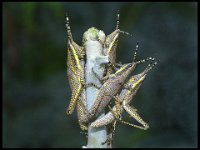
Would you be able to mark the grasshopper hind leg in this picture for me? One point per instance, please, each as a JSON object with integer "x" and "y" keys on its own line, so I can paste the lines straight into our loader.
{"x": 133, "y": 113}
{"x": 92, "y": 85}
{"x": 73, "y": 102}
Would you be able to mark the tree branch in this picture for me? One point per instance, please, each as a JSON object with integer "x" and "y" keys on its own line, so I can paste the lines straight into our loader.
{"x": 96, "y": 60}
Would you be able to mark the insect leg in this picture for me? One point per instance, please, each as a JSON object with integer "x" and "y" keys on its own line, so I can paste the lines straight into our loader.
{"x": 73, "y": 101}
{"x": 104, "y": 121}
{"x": 118, "y": 106}
{"x": 110, "y": 135}
{"x": 132, "y": 112}
{"x": 75, "y": 85}
{"x": 106, "y": 141}
{"x": 118, "y": 110}
{"x": 92, "y": 85}
{"x": 115, "y": 66}
{"x": 81, "y": 115}
{"x": 111, "y": 131}
{"x": 118, "y": 65}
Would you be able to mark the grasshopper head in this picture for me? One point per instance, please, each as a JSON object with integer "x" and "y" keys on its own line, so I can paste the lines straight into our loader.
{"x": 94, "y": 35}
{"x": 137, "y": 80}
{"x": 126, "y": 69}
{"x": 112, "y": 38}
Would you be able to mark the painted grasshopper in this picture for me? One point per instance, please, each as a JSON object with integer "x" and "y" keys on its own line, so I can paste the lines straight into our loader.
{"x": 112, "y": 86}
{"x": 110, "y": 45}
{"x": 75, "y": 81}
{"x": 125, "y": 97}
{"x": 75, "y": 71}
{"x": 76, "y": 76}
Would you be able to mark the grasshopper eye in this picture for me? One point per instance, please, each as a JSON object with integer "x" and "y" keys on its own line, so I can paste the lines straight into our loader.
{"x": 130, "y": 65}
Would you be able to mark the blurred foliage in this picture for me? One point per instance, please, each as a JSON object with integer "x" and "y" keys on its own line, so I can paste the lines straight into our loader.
{"x": 35, "y": 87}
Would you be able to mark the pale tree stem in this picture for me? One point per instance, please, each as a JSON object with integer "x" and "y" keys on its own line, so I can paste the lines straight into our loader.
{"x": 96, "y": 60}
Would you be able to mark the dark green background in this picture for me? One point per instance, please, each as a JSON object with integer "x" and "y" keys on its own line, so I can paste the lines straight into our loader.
{"x": 35, "y": 86}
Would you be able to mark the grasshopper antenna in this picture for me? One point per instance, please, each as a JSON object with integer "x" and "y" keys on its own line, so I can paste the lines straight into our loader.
{"x": 125, "y": 33}
{"x": 151, "y": 66}
{"x": 144, "y": 60}
{"x": 135, "y": 53}
{"x": 69, "y": 34}
{"x": 117, "y": 26}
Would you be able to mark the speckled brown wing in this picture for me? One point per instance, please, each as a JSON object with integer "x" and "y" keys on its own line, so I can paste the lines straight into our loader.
{"x": 75, "y": 75}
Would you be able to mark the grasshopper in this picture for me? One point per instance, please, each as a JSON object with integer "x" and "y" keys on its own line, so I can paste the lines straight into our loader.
{"x": 110, "y": 45}
{"x": 112, "y": 86}
{"x": 74, "y": 81}
{"x": 75, "y": 71}
{"x": 75, "y": 63}
{"x": 125, "y": 97}
{"x": 78, "y": 53}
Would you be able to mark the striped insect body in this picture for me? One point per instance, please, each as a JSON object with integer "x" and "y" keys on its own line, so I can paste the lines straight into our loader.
{"x": 112, "y": 86}
{"x": 96, "y": 59}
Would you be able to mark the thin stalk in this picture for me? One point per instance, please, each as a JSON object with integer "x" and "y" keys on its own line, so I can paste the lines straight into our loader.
{"x": 96, "y": 60}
